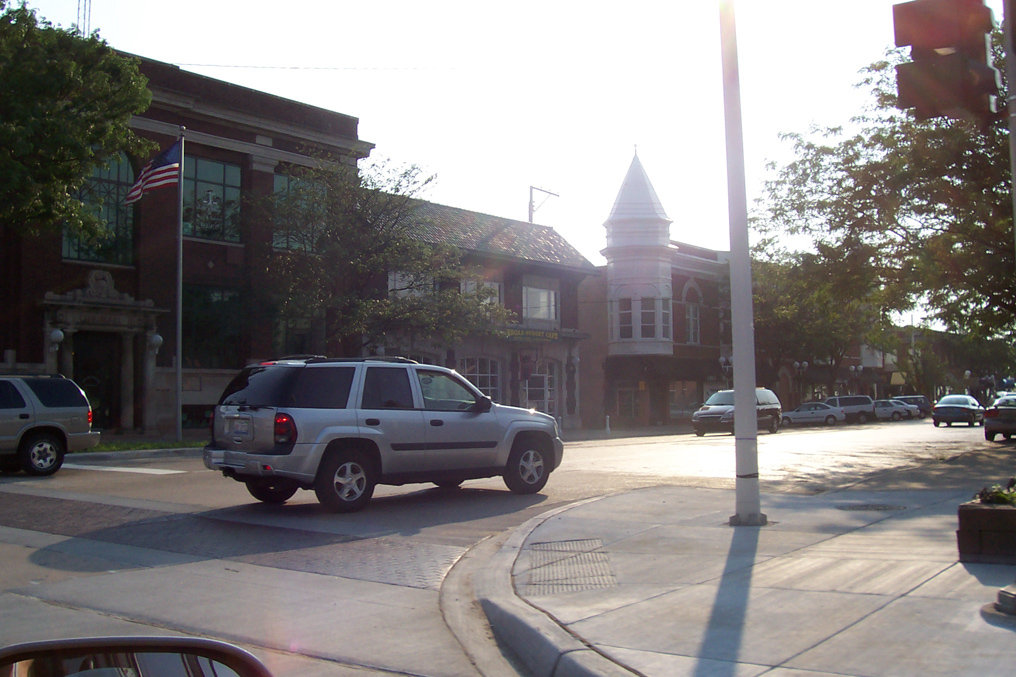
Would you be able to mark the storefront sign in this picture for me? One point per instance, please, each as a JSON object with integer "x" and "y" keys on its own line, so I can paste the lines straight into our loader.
{"x": 527, "y": 334}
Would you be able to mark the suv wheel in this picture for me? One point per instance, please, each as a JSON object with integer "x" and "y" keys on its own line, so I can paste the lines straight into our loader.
{"x": 862, "y": 418}
{"x": 41, "y": 454}
{"x": 271, "y": 491}
{"x": 345, "y": 481}
{"x": 526, "y": 472}
{"x": 774, "y": 424}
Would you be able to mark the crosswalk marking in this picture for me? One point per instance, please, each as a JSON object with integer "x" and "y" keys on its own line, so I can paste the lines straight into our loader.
{"x": 141, "y": 471}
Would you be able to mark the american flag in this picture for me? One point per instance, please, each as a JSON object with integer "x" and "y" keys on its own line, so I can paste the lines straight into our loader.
{"x": 164, "y": 170}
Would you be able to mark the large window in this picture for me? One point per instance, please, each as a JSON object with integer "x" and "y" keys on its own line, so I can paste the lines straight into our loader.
{"x": 648, "y": 306}
{"x": 539, "y": 304}
{"x": 104, "y": 192}
{"x": 484, "y": 373}
{"x": 691, "y": 319}
{"x": 212, "y": 318}
{"x": 403, "y": 285}
{"x": 492, "y": 289}
{"x": 211, "y": 199}
{"x": 624, "y": 326}
{"x": 292, "y": 196}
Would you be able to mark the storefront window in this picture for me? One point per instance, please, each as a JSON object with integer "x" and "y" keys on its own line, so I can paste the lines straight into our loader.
{"x": 484, "y": 373}
{"x": 540, "y": 390}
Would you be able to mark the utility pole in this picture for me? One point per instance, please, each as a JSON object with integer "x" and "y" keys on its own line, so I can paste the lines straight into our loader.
{"x": 747, "y": 501}
{"x": 532, "y": 205}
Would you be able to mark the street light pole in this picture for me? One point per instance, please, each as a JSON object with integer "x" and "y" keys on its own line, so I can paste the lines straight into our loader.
{"x": 747, "y": 501}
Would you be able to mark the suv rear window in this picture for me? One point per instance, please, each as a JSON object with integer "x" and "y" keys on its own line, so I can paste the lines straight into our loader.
{"x": 57, "y": 392}
{"x": 290, "y": 386}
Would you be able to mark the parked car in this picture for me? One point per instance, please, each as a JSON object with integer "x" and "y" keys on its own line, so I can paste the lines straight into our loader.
{"x": 894, "y": 410}
{"x": 1000, "y": 418}
{"x": 342, "y": 426}
{"x": 717, "y": 413}
{"x": 858, "y": 408}
{"x": 41, "y": 419}
{"x": 814, "y": 413}
{"x": 957, "y": 409}
{"x": 922, "y": 403}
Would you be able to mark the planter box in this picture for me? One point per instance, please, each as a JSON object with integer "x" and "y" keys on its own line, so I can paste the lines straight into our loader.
{"x": 987, "y": 533}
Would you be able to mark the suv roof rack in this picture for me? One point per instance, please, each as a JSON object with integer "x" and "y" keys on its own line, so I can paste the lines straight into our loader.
{"x": 370, "y": 358}
{"x": 319, "y": 359}
{"x": 29, "y": 374}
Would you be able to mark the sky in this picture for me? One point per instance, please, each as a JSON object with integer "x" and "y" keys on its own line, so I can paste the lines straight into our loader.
{"x": 494, "y": 97}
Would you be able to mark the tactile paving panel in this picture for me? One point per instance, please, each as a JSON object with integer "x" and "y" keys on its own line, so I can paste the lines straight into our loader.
{"x": 567, "y": 566}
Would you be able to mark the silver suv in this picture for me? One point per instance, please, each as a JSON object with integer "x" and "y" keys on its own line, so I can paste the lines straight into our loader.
{"x": 342, "y": 426}
{"x": 859, "y": 408}
{"x": 41, "y": 419}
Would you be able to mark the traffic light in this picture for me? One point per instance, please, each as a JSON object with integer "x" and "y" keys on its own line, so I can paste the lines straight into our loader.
{"x": 950, "y": 73}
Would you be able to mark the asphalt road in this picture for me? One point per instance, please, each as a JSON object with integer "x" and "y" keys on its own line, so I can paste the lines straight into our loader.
{"x": 161, "y": 545}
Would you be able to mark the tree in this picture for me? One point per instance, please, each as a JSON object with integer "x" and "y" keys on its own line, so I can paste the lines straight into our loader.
{"x": 816, "y": 306}
{"x": 928, "y": 200}
{"x": 65, "y": 107}
{"x": 352, "y": 254}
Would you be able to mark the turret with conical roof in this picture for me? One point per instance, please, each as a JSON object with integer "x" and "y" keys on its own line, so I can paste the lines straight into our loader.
{"x": 638, "y": 253}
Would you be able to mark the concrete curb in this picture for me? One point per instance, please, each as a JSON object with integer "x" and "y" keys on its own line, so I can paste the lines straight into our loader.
{"x": 545, "y": 647}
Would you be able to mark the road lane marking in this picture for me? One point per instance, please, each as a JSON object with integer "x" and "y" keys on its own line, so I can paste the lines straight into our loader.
{"x": 142, "y": 471}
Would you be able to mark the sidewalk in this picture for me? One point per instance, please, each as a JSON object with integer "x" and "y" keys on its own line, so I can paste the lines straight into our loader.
{"x": 862, "y": 581}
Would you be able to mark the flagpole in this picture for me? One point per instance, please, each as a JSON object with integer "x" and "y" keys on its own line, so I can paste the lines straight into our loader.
{"x": 179, "y": 294}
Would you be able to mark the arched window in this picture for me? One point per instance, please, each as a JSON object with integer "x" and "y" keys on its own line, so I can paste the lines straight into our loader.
{"x": 104, "y": 192}
{"x": 692, "y": 315}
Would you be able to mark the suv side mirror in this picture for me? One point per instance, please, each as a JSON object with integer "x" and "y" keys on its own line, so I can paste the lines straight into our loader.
{"x": 483, "y": 405}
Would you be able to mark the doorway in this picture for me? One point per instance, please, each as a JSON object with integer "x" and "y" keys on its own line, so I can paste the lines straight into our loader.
{"x": 97, "y": 362}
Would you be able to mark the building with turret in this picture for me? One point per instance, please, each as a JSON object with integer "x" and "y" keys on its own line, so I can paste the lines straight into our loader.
{"x": 657, "y": 314}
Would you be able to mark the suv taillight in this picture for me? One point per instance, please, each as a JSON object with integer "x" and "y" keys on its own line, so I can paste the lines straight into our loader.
{"x": 89, "y": 417}
{"x": 285, "y": 429}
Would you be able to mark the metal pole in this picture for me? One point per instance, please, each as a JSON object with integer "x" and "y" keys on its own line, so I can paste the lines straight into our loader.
{"x": 179, "y": 294}
{"x": 1008, "y": 21}
{"x": 747, "y": 502}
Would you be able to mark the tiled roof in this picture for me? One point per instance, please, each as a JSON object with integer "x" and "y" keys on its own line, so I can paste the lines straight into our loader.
{"x": 497, "y": 236}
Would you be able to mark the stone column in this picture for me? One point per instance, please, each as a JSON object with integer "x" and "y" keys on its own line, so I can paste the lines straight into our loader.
{"x": 153, "y": 341}
{"x": 127, "y": 380}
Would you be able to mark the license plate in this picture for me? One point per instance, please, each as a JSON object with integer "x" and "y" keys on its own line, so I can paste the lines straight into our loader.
{"x": 241, "y": 426}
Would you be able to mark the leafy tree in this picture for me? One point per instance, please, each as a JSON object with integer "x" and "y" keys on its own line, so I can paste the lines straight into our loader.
{"x": 353, "y": 253}
{"x": 65, "y": 105}
{"x": 816, "y": 306}
{"x": 927, "y": 202}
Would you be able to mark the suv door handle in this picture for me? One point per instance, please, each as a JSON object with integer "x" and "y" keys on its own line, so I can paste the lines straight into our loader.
{"x": 373, "y": 421}
{"x": 436, "y": 422}
{"x": 23, "y": 416}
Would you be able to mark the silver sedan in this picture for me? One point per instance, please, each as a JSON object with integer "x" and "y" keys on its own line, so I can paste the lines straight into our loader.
{"x": 814, "y": 413}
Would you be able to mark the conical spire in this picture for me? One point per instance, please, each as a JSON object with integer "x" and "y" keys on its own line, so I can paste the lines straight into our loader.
{"x": 637, "y": 199}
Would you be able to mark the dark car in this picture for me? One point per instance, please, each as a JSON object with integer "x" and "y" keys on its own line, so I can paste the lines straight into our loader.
{"x": 919, "y": 401}
{"x": 1000, "y": 418}
{"x": 717, "y": 413}
{"x": 957, "y": 409}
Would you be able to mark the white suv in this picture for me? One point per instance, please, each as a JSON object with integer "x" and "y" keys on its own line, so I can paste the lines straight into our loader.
{"x": 342, "y": 426}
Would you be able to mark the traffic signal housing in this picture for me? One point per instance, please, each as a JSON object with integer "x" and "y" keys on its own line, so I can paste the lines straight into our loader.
{"x": 950, "y": 73}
